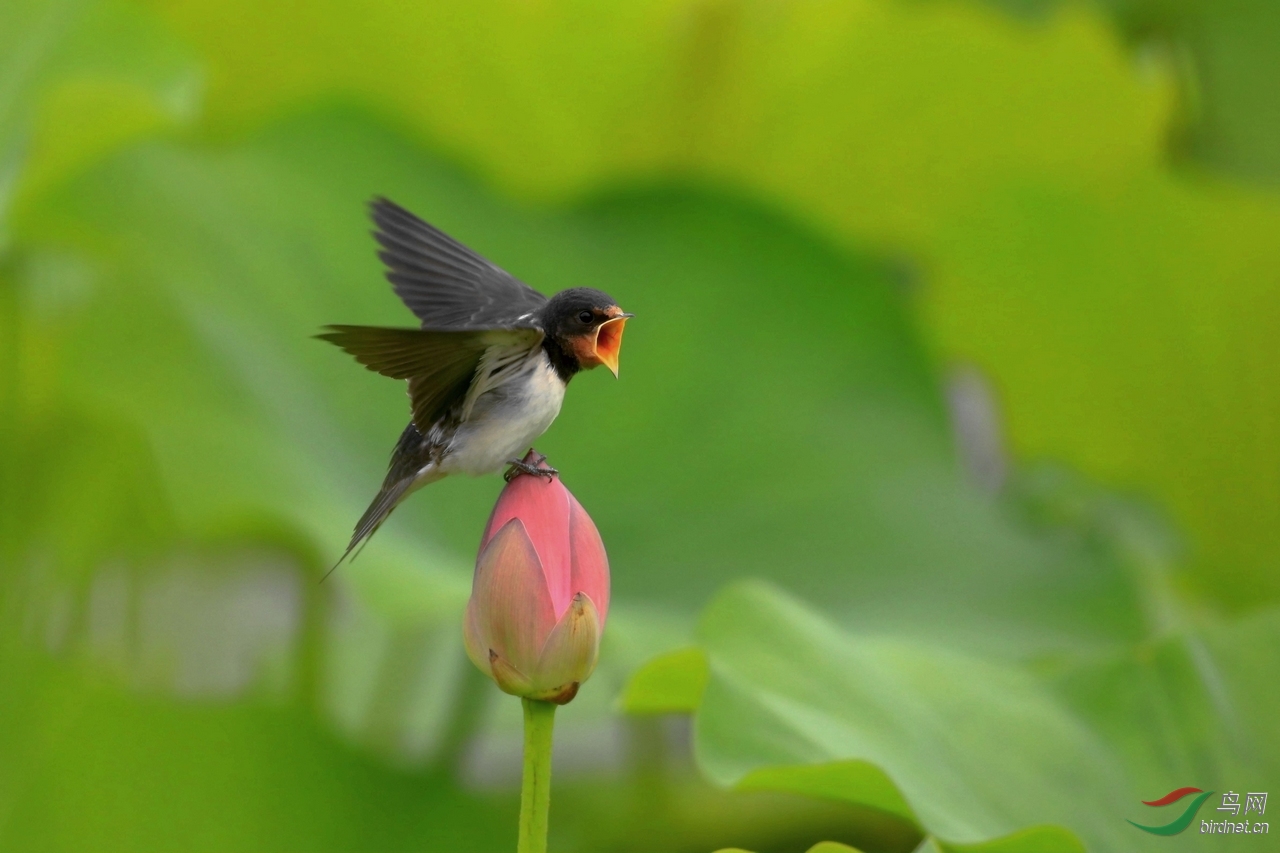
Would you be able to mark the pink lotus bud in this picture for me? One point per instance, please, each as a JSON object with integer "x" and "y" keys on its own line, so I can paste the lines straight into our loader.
{"x": 540, "y": 592}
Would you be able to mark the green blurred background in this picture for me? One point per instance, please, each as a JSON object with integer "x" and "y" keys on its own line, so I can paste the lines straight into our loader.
{"x": 957, "y": 332}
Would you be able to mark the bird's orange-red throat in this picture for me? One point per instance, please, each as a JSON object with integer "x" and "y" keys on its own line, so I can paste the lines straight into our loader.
{"x": 604, "y": 345}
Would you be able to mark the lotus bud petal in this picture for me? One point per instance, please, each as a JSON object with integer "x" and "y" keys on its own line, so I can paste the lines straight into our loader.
{"x": 540, "y": 593}
{"x": 509, "y": 679}
{"x": 570, "y": 653}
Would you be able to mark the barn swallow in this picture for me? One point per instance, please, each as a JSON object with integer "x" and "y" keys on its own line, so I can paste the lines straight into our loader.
{"x": 487, "y": 369}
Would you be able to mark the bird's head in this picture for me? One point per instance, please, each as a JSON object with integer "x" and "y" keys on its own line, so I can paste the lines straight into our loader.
{"x": 586, "y": 325}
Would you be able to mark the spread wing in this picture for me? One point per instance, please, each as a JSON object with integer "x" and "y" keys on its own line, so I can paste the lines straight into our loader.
{"x": 439, "y": 364}
{"x": 444, "y": 283}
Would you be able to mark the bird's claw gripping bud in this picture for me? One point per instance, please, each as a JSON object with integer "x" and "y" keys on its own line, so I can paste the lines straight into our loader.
{"x": 532, "y": 465}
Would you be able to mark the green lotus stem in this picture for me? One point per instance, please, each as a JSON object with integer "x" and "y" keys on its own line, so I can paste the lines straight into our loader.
{"x": 535, "y": 789}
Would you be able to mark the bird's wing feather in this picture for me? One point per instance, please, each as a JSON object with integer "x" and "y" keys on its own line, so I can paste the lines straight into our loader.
{"x": 440, "y": 365}
{"x": 444, "y": 283}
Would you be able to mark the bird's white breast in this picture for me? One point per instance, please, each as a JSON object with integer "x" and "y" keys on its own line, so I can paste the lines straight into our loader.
{"x": 505, "y": 419}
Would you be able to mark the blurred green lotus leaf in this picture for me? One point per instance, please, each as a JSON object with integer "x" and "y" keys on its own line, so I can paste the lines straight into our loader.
{"x": 801, "y": 102}
{"x": 81, "y": 79}
{"x": 1130, "y": 342}
{"x": 831, "y": 847}
{"x": 856, "y": 781}
{"x": 668, "y": 684}
{"x": 1039, "y": 839}
{"x": 977, "y": 750}
{"x": 1035, "y": 839}
{"x": 971, "y": 751}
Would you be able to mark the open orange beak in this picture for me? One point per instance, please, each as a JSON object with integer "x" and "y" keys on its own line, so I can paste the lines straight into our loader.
{"x": 608, "y": 343}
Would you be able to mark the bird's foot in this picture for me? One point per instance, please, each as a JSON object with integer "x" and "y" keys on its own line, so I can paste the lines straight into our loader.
{"x": 534, "y": 468}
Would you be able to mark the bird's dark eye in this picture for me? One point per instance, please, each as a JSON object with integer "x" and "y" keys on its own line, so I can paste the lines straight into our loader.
{"x": 586, "y": 316}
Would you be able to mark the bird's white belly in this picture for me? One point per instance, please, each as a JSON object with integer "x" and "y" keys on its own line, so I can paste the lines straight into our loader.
{"x": 505, "y": 421}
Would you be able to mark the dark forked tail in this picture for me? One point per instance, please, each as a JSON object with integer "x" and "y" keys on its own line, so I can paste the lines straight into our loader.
{"x": 410, "y": 456}
{"x": 385, "y": 501}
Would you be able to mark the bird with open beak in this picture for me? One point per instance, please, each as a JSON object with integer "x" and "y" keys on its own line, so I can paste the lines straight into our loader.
{"x": 488, "y": 368}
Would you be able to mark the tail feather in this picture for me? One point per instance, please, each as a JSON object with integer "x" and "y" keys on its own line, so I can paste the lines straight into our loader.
{"x": 411, "y": 466}
{"x": 387, "y": 499}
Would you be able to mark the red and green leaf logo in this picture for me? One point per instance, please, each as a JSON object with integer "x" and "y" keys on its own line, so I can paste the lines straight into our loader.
{"x": 1182, "y": 821}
